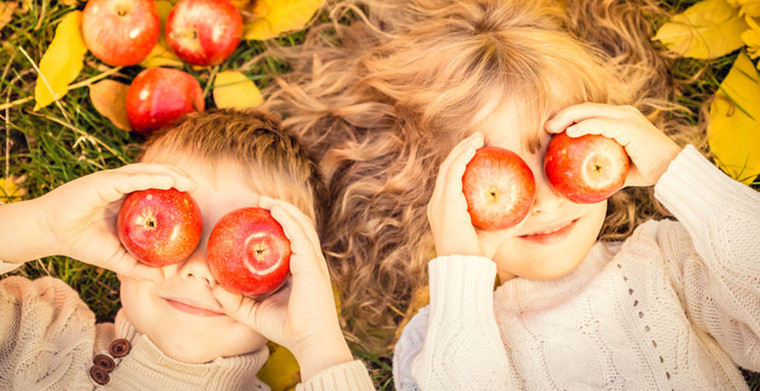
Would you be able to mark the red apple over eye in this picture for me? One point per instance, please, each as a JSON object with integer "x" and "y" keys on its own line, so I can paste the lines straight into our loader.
{"x": 585, "y": 169}
{"x": 499, "y": 188}
{"x": 159, "y": 96}
{"x": 204, "y": 32}
{"x": 120, "y": 32}
{"x": 159, "y": 227}
{"x": 248, "y": 252}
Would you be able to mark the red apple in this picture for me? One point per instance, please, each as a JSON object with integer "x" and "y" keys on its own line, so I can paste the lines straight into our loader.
{"x": 159, "y": 227}
{"x": 499, "y": 188}
{"x": 158, "y": 96}
{"x": 248, "y": 252}
{"x": 204, "y": 32}
{"x": 585, "y": 169}
{"x": 120, "y": 32}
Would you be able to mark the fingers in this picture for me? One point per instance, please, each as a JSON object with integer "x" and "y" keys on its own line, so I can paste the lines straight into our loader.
{"x": 607, "y": 127}
{"x": 576, "y": 113}
{"x": 453, "y": 167}
{"x": 304, "y": 241}
{"x": 238, "y": 307}
{"x": 112, "y": 185}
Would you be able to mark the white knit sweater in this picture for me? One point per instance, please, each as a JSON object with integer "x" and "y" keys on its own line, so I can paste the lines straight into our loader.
{"x": 48, "y": 338}
{"x": 674, "y": 307}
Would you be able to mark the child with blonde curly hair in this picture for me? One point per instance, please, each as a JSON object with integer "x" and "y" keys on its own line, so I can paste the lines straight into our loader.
{"x": 590, "y": 296}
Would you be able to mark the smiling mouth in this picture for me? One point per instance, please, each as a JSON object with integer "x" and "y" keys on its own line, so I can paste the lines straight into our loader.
{"x": 551, "y": 235}
{"x": 192, "y": 310}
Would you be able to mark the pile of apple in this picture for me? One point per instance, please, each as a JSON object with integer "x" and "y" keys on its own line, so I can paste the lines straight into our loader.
{"x": 123, "y": 32}
{"x": 500, "y": 189}
{"x": 248, "y": 252}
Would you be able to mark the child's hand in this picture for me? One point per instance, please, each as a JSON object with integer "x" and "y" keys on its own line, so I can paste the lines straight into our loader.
{"x": 650, "y": 150}
{"x": 302, "y": 317}
{"x": 81, "y": 215}
{"x": 450, "y": 223}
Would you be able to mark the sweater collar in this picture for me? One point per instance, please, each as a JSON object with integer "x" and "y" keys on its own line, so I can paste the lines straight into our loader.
{"x": 521, "y": 295}
{"x": 147, "y": 367}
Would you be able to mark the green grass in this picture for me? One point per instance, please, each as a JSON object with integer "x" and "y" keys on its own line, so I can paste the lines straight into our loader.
{"x": 62, "y": 142}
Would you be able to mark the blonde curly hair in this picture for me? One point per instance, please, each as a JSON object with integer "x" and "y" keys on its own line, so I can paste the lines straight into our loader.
{"x": 385, "y": 98}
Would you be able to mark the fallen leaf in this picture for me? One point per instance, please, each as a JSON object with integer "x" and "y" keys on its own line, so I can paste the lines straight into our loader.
{"x": 751, "y": 38}
{"x": 162, "y": 55}
{"x": 61, "y": 63}
{"x": 274, "y": 17}
{"x": 281, "y": 371}
{"x": 734, "y": 125}
{"x": 708, "y": 29}
{"x": 746, "y": 7}
{"x": 69, "y": 2}
{"x": 234, "y": 90}
{"x": 11, "y": 190}
{"x": 109, "y": 97}
{"x": 6, "y": 12}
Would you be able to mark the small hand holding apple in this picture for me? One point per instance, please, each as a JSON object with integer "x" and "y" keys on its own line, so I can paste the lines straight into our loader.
{"x": 450, "y": 222}
{"x": 650, "y": 150}
{"x": 80, "y": 216}
{"x": 302, "y": 316}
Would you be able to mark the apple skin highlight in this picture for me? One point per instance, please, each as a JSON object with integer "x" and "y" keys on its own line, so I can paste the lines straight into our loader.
{"x": 159, "y": 227}
{"x": 248, "y": 252}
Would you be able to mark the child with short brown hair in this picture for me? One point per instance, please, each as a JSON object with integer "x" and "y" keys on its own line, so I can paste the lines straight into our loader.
{"x": 178, "y": 329}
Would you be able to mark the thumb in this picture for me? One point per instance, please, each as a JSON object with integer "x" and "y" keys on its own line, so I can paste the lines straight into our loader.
{"x": 238, "y": 307}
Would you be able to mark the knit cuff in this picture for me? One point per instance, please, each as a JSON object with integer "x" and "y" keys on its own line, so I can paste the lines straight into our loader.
{"x": 461, "y": 289}
{"x": 7, "y": 267}
{"x": 351, "y": 376}
{"x": 695, "y": 191}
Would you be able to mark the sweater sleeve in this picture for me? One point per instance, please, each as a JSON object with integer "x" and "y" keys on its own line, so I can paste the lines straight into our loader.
{"x": 352, "y": 376}
{"x": 46, "y": 335}
{"x": 461, "y": 347}
{"x": 713, "y": 255}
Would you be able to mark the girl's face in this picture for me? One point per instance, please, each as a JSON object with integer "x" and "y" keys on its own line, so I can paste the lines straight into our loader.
{"x": 180, "y": 315}
{"x": 557, "y": 234}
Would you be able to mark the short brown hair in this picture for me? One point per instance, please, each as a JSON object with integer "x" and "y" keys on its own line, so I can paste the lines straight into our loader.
{"x": 255, "y": 140}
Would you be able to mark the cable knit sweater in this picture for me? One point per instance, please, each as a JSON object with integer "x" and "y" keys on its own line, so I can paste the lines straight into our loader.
{"x": 674, "y": 307}
{"x": 48, "y": 338}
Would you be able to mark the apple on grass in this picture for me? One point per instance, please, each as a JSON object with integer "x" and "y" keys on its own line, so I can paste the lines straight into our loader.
{"x": 585, "y": 169}
{"x": 159, "y": 227}
{"x": 120, "y": 32}
{"x": 158, "y": 96}
{"x": 204, "y": 32}
{"x": 248, "y": 252}
{"x": 499, "y": 188}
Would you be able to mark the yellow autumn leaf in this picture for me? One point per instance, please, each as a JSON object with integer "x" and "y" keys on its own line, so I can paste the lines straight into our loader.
{"x": 69, "y": 2}
{"x": 109, "y": 97}
{"x": 751, "y": 38}
{"x": 746, "y": 7}
{"x": 61, "y": 63}
{"x": 708, "y": 29}
{"x": 734, "y": 126}
{"x": 281, "y": 371}
{"x": 233, "y": 89}
{"x": 274, "y": 17}
{"x": 162, "y": 55}
{"x": 11, "y": 190}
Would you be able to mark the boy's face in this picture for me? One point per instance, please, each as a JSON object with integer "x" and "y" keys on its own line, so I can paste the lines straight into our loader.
{"x": 180, "y": 315}
{"x": 557, "y": 234}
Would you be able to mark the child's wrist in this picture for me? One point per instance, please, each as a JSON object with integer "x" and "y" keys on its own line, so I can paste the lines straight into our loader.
{"x": 326, "y": 352}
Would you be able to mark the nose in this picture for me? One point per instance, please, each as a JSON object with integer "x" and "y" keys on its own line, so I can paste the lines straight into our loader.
{"x": 547, "y": 200}
{"x": 195, "y": 267}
